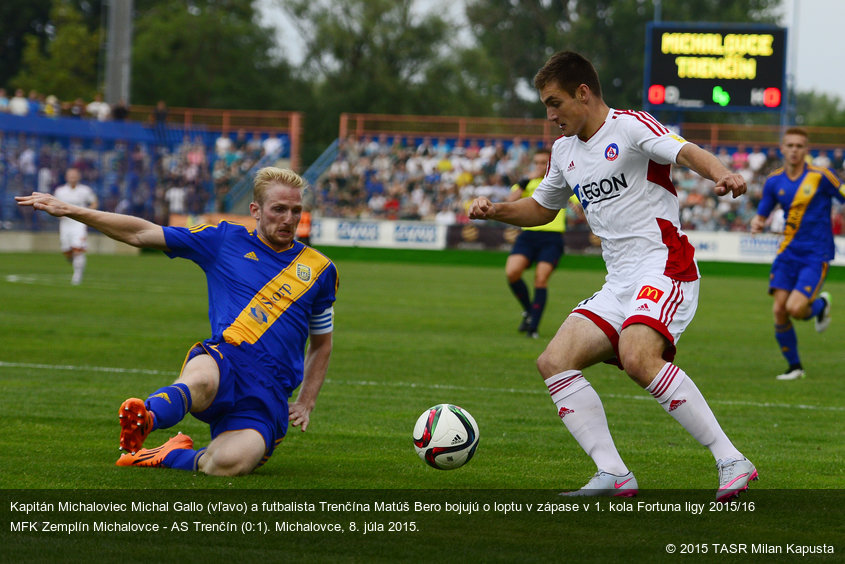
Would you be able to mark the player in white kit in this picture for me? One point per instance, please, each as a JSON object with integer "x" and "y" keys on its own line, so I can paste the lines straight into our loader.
{"x": 73, "y": 235}
{"x": 618, "y": 163}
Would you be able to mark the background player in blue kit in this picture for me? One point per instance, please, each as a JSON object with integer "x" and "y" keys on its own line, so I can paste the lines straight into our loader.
{"x": 267, "y": 295}
{"x": 798, "y": 272}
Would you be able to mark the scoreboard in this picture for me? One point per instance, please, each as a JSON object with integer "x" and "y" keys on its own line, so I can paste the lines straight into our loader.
{"x": 724, "y": 67}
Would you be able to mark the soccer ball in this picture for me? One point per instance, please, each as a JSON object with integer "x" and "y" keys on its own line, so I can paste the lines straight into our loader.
{"x": 445, "y": 436}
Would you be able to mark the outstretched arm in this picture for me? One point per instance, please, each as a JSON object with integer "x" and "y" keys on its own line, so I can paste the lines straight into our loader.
{"x": 707, "y": 165}
{"x": 126, "y": 228}
{"x": 316, "y": 365}
{"x": 525, "y": 212}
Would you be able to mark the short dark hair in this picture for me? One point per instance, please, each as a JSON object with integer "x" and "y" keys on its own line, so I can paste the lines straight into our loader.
{"x": 569, "y": 70}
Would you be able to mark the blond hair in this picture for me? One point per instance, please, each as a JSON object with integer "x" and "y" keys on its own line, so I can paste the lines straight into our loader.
{"x": 273, "y": 175}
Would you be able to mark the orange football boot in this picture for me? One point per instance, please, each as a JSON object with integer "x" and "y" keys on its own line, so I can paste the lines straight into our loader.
{"x": 153, "y": 457}
{"x": 136, "y": 422}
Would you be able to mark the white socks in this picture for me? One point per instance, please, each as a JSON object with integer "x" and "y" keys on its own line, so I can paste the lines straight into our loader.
{"x": 78, "y": 263}
{"x": 680, "y": 397}
{"x": 580, "y": 409}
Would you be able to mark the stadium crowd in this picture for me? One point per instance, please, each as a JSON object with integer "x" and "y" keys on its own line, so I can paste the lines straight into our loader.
{"x": 146, "y": 179}
{"x": 373, "y": 177}
{"x": 383, "y": 178}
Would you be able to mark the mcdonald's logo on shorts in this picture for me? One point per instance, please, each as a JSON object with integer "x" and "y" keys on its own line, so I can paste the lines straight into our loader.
{"x": 650, "y": 293}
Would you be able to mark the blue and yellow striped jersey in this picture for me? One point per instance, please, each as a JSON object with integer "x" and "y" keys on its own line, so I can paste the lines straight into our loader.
{"x": 806, "y": 203}
{"x": 259, "y": 300}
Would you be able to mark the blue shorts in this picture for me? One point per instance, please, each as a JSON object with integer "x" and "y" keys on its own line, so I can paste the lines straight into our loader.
{"x": 789, "y": 274}
{"x": 242, "y": 402}
{"x": 539, "y": 246}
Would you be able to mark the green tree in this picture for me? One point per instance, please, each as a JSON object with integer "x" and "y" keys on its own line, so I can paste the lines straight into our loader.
{"x": 382, "y": 56}
{"x": 520, "y": 34}
{"x": 209, "y": 54}
{"x": 65, "y": 63}
{"x": 22, "y": 18}
{"x": 815, "y": 109}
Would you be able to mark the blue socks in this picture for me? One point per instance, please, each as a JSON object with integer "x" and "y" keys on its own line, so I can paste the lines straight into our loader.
{"x": 785, "y": 335}
{"x": 169, "y": 405}
{"x": 183, "y": 459}
{"x": 816, "y": 308}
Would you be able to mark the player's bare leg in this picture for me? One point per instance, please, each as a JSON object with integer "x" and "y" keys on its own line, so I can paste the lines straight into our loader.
{"x": 202, "y": 376}
{"x": 233, "y": 453}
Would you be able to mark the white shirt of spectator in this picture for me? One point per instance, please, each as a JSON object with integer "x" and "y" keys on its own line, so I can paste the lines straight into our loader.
{"x": 18, "y": 106}
{"x": 621, "y": 175}
{"x": 272, "y": 146}
{"x": 222, "y": 145}
{"x": 99, "y": 110}
{"x": 176, "y": 197}
{"x": 756, "y": 160}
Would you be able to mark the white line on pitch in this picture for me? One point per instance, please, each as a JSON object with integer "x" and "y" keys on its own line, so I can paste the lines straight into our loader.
{"x": 374, "y": 383}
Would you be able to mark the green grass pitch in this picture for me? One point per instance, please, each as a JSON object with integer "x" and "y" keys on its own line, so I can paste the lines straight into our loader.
{"x": 412, "y": 329}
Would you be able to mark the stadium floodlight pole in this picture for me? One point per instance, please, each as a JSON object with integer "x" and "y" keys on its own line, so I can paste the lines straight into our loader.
{"x": 118, "y": 51}
{"x": 658, "y": 8}
{"x": 787, "y": 113}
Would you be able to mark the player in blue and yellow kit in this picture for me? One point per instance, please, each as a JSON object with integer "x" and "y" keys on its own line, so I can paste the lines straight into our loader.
{"x": 798, "y": 272}
{"x": 268, "y": 294}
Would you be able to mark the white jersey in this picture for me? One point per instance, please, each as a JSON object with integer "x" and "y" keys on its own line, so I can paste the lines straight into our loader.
{"x": 73, "y": 234}
{"x": 82, "y": 195}
{"x": 621, "y": 175}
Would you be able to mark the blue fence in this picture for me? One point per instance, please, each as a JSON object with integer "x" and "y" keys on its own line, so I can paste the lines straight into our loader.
{"x": 130, "y": 165}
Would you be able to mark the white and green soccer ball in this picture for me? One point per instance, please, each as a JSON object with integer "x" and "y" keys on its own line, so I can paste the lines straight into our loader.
{"x": 446, "y": 436}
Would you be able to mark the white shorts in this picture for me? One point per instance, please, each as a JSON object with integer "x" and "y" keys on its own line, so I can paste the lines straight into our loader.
{"x": 666, "y": 305}
{"x": 73, "y": 235}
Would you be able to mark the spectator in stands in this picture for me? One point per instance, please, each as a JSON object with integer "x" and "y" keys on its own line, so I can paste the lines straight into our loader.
{"x": 739, "y": 160}
{"x": 120, "y": 111}
{"x": 772, "y": 161}
{"x": 4, "y": 101}
{"x": 176, "y": 197}
{"x": 725, "y": 157}
{"x": 34, "y": 101}
{"x": 273, "y": 145}
{"x": 836, "y": 161}
{"x": 159, "y": 117}
{"x": 160, "y": 114}
{"x": 98, "y": 109}
{"x": 52, "y": 107}
{"x": 821, "y": 160}
{"x": 838, "y": 222}
{"x": 426, "y": 148}
{"x": 18, "y": 105}
{"x": 756, "y": 159}
{"x": 76, "y": 109}
{"x": 223, "y": 145}
{"x": 240, "y": 142}
{"x": 303, "y": 230}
